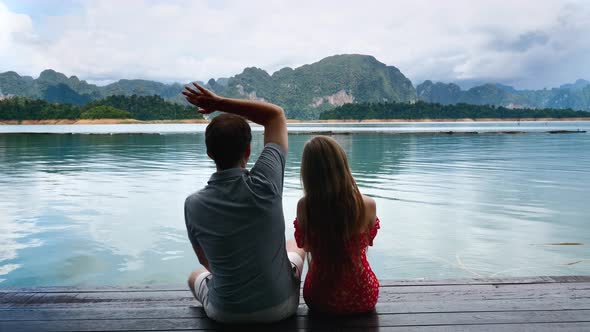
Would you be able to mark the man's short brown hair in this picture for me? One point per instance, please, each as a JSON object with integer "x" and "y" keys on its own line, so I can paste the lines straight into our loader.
{"x": 227, "y": 138}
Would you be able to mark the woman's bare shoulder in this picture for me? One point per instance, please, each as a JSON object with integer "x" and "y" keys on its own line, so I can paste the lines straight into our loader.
{"x": 369, "y": 201}
{"x": 370, "y": 209}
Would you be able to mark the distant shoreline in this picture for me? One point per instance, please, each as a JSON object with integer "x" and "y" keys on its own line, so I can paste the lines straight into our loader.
{"x": 95, "y": 121}
{"x": 192, "y": 121}
{"x": 442, "y": 120}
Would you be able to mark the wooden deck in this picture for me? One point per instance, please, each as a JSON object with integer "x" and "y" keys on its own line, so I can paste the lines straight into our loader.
{"x": 522, "y": 304}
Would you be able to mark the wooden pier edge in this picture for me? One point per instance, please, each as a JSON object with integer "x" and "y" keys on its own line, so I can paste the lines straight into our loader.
{"x": 558, "y": 303}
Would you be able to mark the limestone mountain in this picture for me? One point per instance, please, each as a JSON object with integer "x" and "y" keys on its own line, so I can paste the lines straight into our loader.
{"x": 56, "y": 87}
{"x": 306, "y": 91}
{"x": 50, "y": 86}
{"x": 13, "y": 84}
{"x": 575, "y": 96}
{"x": 438, "y": 92}
{"x": 142, "y": 88}
{"x": 576, "y": 86}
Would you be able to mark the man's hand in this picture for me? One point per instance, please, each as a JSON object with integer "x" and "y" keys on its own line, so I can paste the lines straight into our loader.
{"x": 271, "y": 116}
{"x": 203, "y": 98}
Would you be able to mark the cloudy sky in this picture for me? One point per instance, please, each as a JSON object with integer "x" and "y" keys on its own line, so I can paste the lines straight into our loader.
{"x": 525, "y": 43}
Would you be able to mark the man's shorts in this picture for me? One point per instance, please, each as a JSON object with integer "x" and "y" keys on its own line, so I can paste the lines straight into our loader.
{"x": 272, "y": 314}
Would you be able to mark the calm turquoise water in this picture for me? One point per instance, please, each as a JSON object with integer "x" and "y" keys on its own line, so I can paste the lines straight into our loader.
{"x": 108, "y": 209}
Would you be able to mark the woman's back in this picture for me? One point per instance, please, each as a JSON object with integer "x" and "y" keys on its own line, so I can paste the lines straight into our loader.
{"x": 353, "y": 289}
{"x": 335, "y": 223}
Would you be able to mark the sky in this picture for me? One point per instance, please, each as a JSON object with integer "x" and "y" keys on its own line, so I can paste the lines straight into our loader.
{"x": 530, "y": 44}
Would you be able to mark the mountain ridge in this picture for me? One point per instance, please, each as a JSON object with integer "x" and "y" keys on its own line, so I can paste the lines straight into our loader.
{"x": 575, "y": 96}
{"x": 306, "y": 91}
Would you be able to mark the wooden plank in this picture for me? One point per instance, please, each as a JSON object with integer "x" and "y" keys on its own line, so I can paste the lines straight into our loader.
{"x": 542, "y": 327}
{"x": 462, "y": 318}
{"x": 446, "y": 290}
{"x": 483, "y": 287}
{"x": 310, "y": 322}
{"x": 475, "y": 306}
{"x": 5, "y": 301}
{"x": 398, "y": 307}
{"x": 15, "y": 299}
{"x": 486, "y": 281}
{"x": 66, "y": 300}
{"x": 96, "y": 289}
{"x": 384, "y": 283}
{"x": 97, "y": 299}
{"x": 111, "y": 325}
{"x": 407, "y": 295}
{"x": 113, "y": 295}
{"x": 486, "y": 292}
{"x": 50, "y": 314}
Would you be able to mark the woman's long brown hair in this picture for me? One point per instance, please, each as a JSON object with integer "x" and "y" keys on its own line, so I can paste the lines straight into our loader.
{"x": 334, "y": 210}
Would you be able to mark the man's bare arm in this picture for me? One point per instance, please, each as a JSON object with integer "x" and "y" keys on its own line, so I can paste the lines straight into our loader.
{"x": 201, "y": 256}
{"x": 271, "y": 116}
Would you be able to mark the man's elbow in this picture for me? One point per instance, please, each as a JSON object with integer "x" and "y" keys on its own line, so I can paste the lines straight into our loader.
{"x": 281, "y": 117}
{"x": 280, "y": 113}
{"x": 277, "y": 119}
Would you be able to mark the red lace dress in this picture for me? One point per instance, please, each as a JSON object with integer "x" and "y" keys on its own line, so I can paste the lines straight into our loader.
{"x": 355, "y": 292}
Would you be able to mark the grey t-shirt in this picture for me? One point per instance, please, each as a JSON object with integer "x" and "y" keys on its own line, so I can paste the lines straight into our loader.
{"x": 237, "y": 219}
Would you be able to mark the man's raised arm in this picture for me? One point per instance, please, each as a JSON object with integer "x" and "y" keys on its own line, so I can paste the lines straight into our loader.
{"x": 271, "y": 116}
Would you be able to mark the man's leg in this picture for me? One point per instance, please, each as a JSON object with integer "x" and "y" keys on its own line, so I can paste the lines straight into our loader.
{"x": 192, "y": 280}
{"x": 296, "y": 256}
{"x": 292, "y": 247}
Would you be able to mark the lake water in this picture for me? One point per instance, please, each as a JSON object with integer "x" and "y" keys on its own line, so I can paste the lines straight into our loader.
{"x": 108, "y": 209}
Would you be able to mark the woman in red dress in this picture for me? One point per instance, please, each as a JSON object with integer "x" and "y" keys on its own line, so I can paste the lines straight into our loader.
{"x": 335, "y": 224}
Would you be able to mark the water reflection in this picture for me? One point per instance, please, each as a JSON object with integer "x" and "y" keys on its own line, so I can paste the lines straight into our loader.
{"x": 107, "y": 209}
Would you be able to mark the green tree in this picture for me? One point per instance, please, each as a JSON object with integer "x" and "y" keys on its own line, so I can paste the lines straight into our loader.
{"x": 423, "y": 110}
{"x": 105, "y": 112}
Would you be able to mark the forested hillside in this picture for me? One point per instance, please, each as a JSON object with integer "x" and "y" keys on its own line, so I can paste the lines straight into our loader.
{"x": 133, "y": 107}
{"x": 423, "y": 110}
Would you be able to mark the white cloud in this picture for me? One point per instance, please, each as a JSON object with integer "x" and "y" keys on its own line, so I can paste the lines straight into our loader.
{"x": 16, "y": 36}
{"x": 527, "y": 42}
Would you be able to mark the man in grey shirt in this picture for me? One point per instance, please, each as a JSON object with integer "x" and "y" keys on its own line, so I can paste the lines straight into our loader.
{"x": 236, "y": 223}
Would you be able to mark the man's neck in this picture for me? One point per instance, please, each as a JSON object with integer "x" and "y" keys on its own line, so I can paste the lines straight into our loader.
{"x": 225, "y": 169}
